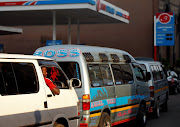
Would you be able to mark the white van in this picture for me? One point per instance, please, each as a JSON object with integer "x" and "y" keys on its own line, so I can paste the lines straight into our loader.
{"x": 114, "y": 89}
{"x": 27, "y": 101}
{"x": 158, "y": 84}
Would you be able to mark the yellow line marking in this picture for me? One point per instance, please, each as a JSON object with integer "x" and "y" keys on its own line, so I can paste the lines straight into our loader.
{"x": 95, "y": 114}
{"x": 161, "y": 89}
{"x": 125, "y": 108}
{"x": 147, "y": 103}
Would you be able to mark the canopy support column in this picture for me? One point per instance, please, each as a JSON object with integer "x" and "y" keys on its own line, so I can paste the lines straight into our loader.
{"x": 54, "y": 25}
{"x": 78, "y": 32}
{"x": 69, "y": 30}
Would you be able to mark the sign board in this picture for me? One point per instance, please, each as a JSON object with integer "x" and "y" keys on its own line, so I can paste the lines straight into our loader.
{"x": 164, "y": 29}
{"x": 53, "y": 42}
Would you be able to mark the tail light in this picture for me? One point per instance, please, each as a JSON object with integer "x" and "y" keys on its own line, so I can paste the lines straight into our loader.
{"x": 83, "y": 125}
{"x": 172, "y": 81}
{"x": 86, "y": 102}
{"x": 78, "y": 104}
{"x": 151, "y": 91}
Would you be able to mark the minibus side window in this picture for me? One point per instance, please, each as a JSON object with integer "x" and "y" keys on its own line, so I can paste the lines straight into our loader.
{"x": 153, "y": 72}
{"x": 9, "y": 78}
{"x": 18, "y": 78}
{"x": 55, "y": 74}
{"x": 106, "y": 73}
{"x": 144, "y": 69}
{"x": 26, "y": 78}
{"x": 2, "y": 84}
{"x": 127, "y": 73}
{"x": 158, "y": 72}
{"x": 118, "y": 75}
{"x": 71, "y": 69}
{"x": 95, "y": 75}
{"x": 139, "y": 73}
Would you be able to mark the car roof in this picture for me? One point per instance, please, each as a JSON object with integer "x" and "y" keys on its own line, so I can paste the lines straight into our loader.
{"x": 21, "y": 56}
{"x": 148, "y": 62}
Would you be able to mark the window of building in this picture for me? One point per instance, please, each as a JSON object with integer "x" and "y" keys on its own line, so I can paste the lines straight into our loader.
{"x": 106, "y": 74}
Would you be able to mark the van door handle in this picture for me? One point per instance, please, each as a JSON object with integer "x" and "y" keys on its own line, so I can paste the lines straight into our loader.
{"x": 49, "y": 95}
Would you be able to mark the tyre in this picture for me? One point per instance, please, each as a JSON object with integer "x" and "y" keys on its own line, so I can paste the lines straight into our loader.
{"x": 141, "y": 117}
{"x": 156, "y": 111}
{"x": 105, "y": 120}
{"x": 58, "y": 125}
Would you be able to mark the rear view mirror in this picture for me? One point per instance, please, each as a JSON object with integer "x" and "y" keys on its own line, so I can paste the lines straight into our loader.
{"x": 148, "y": 76}
{"x": 76, "y": 83}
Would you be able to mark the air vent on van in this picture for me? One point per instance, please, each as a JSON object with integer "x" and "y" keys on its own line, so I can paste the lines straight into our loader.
{"x": 127, "y": 58}
{"x": 115, "y": 58}
{"x": 103, "y": 57}
{"x": 88, "y": 57}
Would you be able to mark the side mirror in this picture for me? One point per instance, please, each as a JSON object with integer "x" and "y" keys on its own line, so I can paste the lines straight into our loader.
{"x": 148, "y": 76}
{"x": 76, "y": 83}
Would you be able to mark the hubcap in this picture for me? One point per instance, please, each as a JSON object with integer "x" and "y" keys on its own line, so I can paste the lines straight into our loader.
{"x": 106, "y": 123}
{"x": 144, "y": 118}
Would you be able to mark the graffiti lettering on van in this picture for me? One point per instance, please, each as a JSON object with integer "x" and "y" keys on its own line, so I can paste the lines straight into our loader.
{"x": 49, "y": 53}
{"x": 62, "y": 53}
{"x": 74, "y": 52}
{"x": 98, "y": 93}
{"x": 38, "y": 53}
{"x": 137, "y": 97}
{"x": 97, "y": 104}
{"x": 111, "y": 101}
{"x": 123, "y": 113}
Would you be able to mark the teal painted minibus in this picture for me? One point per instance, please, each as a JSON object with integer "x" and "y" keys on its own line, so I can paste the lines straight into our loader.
{"x": 114, "y": 88}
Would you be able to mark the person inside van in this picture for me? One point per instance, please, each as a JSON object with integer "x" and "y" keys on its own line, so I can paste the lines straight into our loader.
{"x": 49, "y": 83}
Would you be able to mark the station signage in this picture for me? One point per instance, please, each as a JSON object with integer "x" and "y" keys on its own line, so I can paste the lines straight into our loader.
{"x": 164, "y": 29}
{"x": 100, "y": 5}
{"x": 53, "y": 42}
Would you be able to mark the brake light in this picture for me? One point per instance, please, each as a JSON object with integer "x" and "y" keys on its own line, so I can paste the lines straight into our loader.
{"x": 83, "y": 125}
{"x": 172, "y": 81}
{"x": 86, "y": 102}
{"x": 151, "y": 91}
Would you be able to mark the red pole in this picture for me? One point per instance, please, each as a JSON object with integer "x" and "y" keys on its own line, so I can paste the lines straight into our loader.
{"x": 155, "y": 53}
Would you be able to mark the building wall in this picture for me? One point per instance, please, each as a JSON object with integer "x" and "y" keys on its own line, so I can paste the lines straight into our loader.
{"x": 135, "y": 37}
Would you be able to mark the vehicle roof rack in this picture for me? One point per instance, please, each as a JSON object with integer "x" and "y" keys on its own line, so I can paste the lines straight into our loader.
{"x": 88, "y": 56}
{"x": 115, "y": 58}
{"x": 103, "y": 57}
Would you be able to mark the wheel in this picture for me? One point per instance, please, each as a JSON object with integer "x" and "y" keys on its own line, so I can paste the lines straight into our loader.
{"x": 156, "y": 110}
{"x": 105, "y": 120}
{"x": 58, "y": 125}
{"x": 141, "y": 117}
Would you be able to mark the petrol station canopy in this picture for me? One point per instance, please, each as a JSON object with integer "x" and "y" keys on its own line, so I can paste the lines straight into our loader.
{"x": 39, "y": 12}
